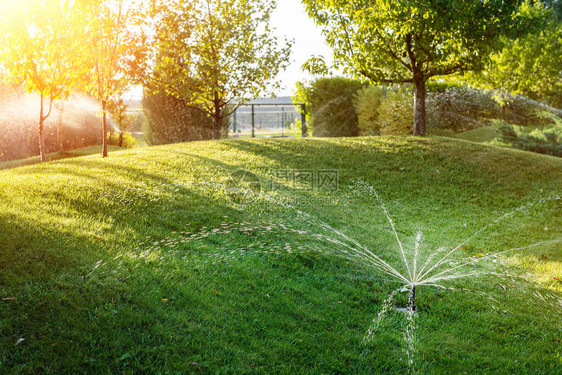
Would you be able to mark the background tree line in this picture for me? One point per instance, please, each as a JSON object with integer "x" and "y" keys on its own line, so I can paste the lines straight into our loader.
{"x": 206, "y": 56}
{"x": 203, "y": 58}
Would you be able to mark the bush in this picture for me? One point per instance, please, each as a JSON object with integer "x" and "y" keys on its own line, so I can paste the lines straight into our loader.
{"x": 385, "y": 111}
{"x": 524, "y": 111}
{"x": 396, "y": 113}
{"x": 367, "y": 106}
{"x": 546, "y": 140}
{"x": 170, "y": 120}
{"x": 330, "y": 106}
{"x": 450, "y": 108}
{"x": 128, "y": 140}
{"x": 459, "y": 108}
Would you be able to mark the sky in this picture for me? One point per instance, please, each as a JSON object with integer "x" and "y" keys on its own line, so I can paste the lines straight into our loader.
{"x": 290, "y": 20}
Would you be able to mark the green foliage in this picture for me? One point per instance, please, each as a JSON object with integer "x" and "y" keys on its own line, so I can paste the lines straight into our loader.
{"x": 216, "y": 54}
{"x": 55, "y": 47}
{"x": 169, "y": 120}
{"x": 367, "y": 103}
{"x": 528, "y": 65}
{"x": 544, "y": 140}
{"x": 329, "y": 105}
{"x": 118, "y": 112}
{"x": 384, "y": 111}
{"x": 459, "y": 108}
{"x": 296, "y": 128}
{"x": 124, "y": 139}
{"x": 388, "y": 41}
{"x": 378, "y": 38}
{"x": 452, "y": 108}
{"x": 114, "y": 50}
{"x": 396, "y": 113}
{"x": 555, "y": 6}
{"x": 527, "y": 112}
{"x": 39, "y": 53}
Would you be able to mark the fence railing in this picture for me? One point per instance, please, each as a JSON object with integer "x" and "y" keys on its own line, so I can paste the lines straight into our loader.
{"x": 253, "y": 113}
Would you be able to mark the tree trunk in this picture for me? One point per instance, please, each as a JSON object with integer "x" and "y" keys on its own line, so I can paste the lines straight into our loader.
{"x": 59, "y": 135}
{"x": 42, "y": 149}
{"x": 217, "y": 117}
{"x": 104, "y": 128}
{"x": 304, "y": 128}
{"x": 217, "y": 126}
{"x": 504, "y": 113}
{"x": 419, "y": 108}
{"x": 121, "y": 139}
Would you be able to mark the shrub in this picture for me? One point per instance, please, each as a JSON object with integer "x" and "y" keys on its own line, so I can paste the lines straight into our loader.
{"x": 524, "y": 111}
{"x": 383, "y": 110}
{"x": 545, "y": 140}
{"x": 450, "y": 108}
{"x": 330, "y": 106}
{"x": 170, "y": 120}
{"x": 128, "y": 140}
{"x": 396, "y": 113}
{"x": 367, "y": 106}
{"x": 459, "y": 108}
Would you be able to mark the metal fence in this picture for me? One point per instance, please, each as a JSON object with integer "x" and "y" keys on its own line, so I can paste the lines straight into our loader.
{"x": 268, "y": 119}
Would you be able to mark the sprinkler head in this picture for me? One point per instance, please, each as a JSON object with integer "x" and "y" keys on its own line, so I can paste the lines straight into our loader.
{"x": 412, "y": 303}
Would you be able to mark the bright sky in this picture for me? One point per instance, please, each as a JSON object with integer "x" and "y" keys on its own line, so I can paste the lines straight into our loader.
{"x": 290, "y": 20}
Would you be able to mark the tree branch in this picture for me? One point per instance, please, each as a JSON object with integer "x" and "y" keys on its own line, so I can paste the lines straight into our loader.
{"x": 456, "y": 67}
{"x": 392, "y": 53}
{"x": 411, "y": 54}
{"x": 384, "y": 80}
{"x": 50, "y": 109}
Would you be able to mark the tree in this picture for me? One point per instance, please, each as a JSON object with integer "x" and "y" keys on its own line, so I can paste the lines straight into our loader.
{"x": 114, "y": 50}
{"x": 169, "y": 120}
{"x": 330, "y": 106}
{"x": 555, "y": 6}
{"x": 39, "y": 53}
{"x": 411, "y": 41}
{"x": 217, "y": 54}
{"x": 60, "y": 107}
{"x": 118, "y": 110}
{"x": 529, "y": 66}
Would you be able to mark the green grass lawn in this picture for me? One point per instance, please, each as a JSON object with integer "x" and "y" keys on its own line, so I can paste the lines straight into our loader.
{"x": 491, "y": 136}
{"x": 90, "y": 150}
{"x": 143, "y": 263}
{"x": 486, "y": 134}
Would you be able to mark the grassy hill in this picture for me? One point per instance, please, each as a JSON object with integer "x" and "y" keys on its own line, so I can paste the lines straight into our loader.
{"x": 147, "y": 262}
{"x": 486, "y": 134}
